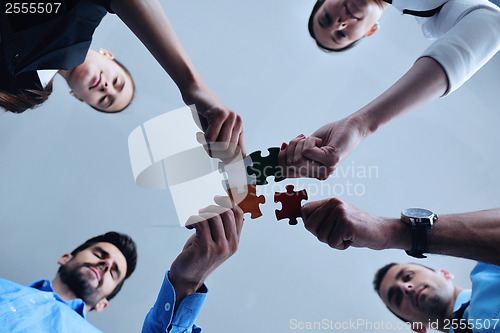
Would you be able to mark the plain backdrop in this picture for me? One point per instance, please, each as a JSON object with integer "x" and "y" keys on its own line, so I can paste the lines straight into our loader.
{"x": 65, "y": 173}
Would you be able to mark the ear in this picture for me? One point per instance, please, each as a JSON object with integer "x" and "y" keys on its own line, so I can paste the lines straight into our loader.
{"x": 64, "y": 259}
{"x": 72, "y": 93}
{"x": 447, "y": 275}
{"x": 423, "y": 329}
{"x": 101, "y": 305}
{"x": 372, "y": 30}
{"x": 106, "y": 53}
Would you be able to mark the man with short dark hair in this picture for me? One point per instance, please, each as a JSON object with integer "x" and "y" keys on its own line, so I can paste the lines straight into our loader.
{"x": 87, "y": 279}
{"x": 413, "y": 292}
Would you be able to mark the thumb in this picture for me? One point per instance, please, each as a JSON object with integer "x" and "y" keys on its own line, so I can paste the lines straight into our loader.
{"x": 326, "y": 155}
{"x": 310, "y": 207}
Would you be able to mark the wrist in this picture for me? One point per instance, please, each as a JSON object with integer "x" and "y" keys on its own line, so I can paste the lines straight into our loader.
{"x": 360, "y": 121}
{"x": 183, "y": 287}
{"x": 399, "y": 235}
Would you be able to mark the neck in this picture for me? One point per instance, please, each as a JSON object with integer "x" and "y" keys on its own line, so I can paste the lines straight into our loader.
{"x": 65, "y": 73}
{"x": 63, "y": 291}
{"x": 449, "y": 310}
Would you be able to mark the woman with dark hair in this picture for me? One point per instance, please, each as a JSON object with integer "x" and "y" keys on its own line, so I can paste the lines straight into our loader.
{"x": 60, "y": 40}
{"x": 100, "y": 81}
{"x": 466, "y": 33}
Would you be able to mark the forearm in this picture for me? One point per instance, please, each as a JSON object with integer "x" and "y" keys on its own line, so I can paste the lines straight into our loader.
{"x": 149, "y": 23}
{"x": 424, "y": 82}
{"x": 469, "y": 235}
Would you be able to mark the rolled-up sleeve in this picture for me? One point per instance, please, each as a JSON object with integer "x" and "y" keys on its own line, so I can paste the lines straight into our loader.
{"x": 467, "y": 37}
{"x": 161, "y": 316}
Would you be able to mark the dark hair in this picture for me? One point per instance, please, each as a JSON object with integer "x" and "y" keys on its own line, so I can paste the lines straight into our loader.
{"x": 124, "y": 243}
{"x": 379, "y": 276}
{"x": 133, "y": 90}
{"x": 19, "y": 100}
{"x": 310, "y": 25}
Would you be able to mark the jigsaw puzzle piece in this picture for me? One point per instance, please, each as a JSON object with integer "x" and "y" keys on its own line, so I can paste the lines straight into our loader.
{"x": 235, "y": 174}
{"x": 248, "y": 201}
{"x": 290, "y": 204}
{"x": 265, "y": 166}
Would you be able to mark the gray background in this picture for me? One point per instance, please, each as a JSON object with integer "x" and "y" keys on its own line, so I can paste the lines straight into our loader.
{"x": 65, "y": 173}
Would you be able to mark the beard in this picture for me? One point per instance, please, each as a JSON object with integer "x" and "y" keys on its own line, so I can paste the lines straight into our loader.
{"x": 436, "y": 307}
{"x": 78, "y": 279}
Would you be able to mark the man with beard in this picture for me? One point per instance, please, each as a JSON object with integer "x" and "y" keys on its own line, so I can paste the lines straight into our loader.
{"x": 89, "y": 277}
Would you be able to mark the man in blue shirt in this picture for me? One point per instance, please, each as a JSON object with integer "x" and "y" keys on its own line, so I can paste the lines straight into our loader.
{"x": 415, "y": 293}
{"x": 91, "y": 275}
{"x": 88, "y": 278}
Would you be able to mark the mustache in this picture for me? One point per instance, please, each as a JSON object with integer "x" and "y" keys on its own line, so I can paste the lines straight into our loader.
{"x": 98, "y": 266}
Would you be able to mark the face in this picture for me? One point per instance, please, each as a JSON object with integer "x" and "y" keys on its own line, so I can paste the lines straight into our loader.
{"x": 94, "y": 273}
{"x": 416, "y": 293}
{"x": 101, "y": 82}
{"x": 339, "y": 23}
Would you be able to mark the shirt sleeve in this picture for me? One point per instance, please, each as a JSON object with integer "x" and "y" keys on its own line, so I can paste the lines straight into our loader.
{"x": 161, "y": 317}
{"x": 468, "y": 36}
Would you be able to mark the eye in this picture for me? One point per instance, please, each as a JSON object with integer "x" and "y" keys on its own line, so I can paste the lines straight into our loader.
{"x": 115, "y": 81}
{"x": 407, "y": 277}
{"x": 102, "y": 99}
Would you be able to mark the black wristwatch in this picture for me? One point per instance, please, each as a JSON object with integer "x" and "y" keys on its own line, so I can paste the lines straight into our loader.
{"x": 421, "y": 222}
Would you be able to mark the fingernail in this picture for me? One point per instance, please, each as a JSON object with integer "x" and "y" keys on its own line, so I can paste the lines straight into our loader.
{"x": 283, "y": 145}
{"x": 302, "y": 136}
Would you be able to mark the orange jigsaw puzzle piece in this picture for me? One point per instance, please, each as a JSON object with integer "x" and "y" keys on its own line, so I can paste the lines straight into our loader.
{"x": 248, "y": 201}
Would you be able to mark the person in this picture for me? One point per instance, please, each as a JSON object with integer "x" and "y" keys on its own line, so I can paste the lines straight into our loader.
{"x": 467, "y": 35}
{"x": 428, "y": 299}
{"x": 218, "y": 229}
{"x": 414, "y": 293}
{"x": 33, "y": 42}
{"x": 87, "y": 279}
{"x": 101, "y": 81}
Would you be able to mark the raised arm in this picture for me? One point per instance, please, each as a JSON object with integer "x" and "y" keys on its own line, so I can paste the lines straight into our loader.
{"x": 149, "y": 23}
{"x": 468, "y": 235}
{"x": 468, "y": 35}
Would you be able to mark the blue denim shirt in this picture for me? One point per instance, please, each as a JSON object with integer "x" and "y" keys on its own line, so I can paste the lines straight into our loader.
{"x": 483, "y": 311}
{"x": 160, "y": 318}
{"x": 38, "y": 308}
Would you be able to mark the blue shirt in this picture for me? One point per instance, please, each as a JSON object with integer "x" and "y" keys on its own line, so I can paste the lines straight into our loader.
{"x": 484, "y": 308}
{"x": 160, "y": 318}
{"x": 38, "y": 308}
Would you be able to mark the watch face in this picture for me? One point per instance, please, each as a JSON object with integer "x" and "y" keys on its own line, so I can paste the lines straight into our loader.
{"x": 418, "y": 213}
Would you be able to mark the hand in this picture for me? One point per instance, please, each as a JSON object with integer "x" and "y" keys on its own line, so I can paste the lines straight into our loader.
{"x": 223, "y": 128}
{"x": 319, "y": 155}
{"x": 218, "y": 230}
{"x": 341, "y": 225}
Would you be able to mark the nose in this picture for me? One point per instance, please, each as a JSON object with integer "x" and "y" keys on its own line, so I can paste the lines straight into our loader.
{"x": 341, "y": 24}
{"x": 406, "y": 288}
{"x": 105, "y": 265}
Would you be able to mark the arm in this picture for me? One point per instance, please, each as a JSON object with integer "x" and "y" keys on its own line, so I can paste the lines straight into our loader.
{"x": 149, "y": 23}
{"x": 468, "y": 235}
{"x": 468, "y": 35}
{"x": 183, "y": 292}
{"x": 319, "y": 155}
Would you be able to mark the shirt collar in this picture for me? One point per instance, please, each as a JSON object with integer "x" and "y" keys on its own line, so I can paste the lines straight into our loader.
{"x": 77, "y": 304}
{"x": 462, "y": 298}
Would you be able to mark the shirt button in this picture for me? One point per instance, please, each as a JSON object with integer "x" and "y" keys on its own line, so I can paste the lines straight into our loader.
{"x": 13, "y": 309}
{"x": 168, "y": 306}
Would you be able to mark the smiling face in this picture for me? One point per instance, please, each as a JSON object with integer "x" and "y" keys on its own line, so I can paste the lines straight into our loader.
{"x": 417, "y": 293}
{"x": 93, "y": 273}
{"x": 339, "y": 23}
{"x": 101, "y": 82}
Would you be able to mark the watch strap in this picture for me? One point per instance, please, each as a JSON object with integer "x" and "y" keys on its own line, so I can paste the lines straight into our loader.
{"x": 420, "y": 233}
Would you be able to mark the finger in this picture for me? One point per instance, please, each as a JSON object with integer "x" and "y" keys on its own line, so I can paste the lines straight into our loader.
{"x": 291, "y": 149}
{"x": 326, "y": 155}
{"x": 200, "y": 137}
{"x": 311, "y": 142}
{"x": 212, "y": 210}
{"x": 216, "y": 229}
{"x": 238, "y": 217}
{"x": 226, "y": 130}
{"x": 215, "y": 123}
{"x": 223, "y": 201}
{"x": 310, "y": 207}
{"x": 241, "y": 143}
{"x": 192, "y": 220}
{"x": 229, "y": 224}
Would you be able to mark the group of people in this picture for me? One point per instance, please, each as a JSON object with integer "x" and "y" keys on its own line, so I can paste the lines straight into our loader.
{"x": 467, "y": 35}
